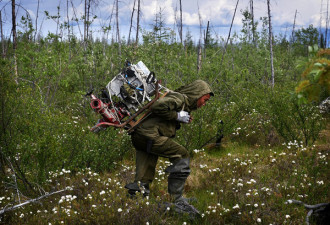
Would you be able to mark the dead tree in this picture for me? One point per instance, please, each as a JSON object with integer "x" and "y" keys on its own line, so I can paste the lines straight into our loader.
{"x": 36, "y": 23}
{"x": 68, "y": 19}
{"x": 85, "y": 20}
{"x": 326, "y": 26}
{"x": 229, "y": 33}
{"x": 271, "y": 45}
{"x": 253, "y": 25}
{"x": 118, "y": 33}
{"x": 199, "y": 53}
{"x": 137, "y": 24}
{"x": 320, "y": 28}
{"x": 2, "y": 38}
{"x": 130, "y": 27}
{"x": 180, "y": 22}
{"x": 14, "y": 39}
{"x": 76, "y": 18}
{"x": 293, "y": 27}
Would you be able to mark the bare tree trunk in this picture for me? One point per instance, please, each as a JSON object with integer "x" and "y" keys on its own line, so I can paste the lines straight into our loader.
{"x": 181, "y": 22}
{"x": 137, "y": 24}
{"x": 294, "y": 25}
{"x": 199, "y": 55}
{"x": 75, "y": 15}
{"x": 253, "y": 26}
{"x": 14, "y": 39}
{"x": 68, "y": 19}
{"x": 130, "y": 27}
{"x": 207, "y": 32}
{"x": 110, "y": 20}
{"x": 271, "y": 44}
{"x": 85, "y": 20}
{"x": 88, "y": 22}
{"x": 231, "y": 25}
{"x": 118, "y": 33}
{"x": 36, "y": 26}
{"x": 320, "y": 28}
{"x": 326, "y": 26}
{"x": 2, "y": 39}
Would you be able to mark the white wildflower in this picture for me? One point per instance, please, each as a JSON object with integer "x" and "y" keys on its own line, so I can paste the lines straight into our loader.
{"x": 236, "y": 206}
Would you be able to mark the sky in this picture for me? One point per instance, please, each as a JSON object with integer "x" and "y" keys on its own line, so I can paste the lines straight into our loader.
{"x": 218, "y": 12}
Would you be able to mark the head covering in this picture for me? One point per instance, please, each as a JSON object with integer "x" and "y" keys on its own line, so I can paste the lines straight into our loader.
{"x": 194, "y": 91}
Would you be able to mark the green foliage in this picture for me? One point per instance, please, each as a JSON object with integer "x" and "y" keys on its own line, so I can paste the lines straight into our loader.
{"x": 305, "y": 37}
{"x": 294, "y": 121}
{"x": 45, "y": 118}
{"x": 315, "y": 84}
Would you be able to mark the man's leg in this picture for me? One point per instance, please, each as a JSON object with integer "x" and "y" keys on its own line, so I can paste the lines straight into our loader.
{"x": 145, "y": 167}
{"x": 178, "y": 173}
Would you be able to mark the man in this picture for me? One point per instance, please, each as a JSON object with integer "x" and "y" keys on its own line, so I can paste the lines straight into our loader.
{"x": 154, "y": 138}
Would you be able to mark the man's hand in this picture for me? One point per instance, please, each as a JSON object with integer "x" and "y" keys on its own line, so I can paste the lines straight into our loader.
{"x": 183, "y": 117}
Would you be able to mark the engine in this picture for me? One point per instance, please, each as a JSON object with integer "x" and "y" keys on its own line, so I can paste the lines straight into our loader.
{"x": 126, "y": 96}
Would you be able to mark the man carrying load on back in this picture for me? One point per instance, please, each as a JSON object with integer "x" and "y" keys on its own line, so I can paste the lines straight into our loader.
{"x": 154, "y": 138}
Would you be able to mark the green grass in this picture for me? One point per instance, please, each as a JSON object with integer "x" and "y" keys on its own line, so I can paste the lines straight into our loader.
{"x": 234, "y": 184}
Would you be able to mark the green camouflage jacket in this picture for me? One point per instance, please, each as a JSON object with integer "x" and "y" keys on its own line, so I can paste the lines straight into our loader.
{"x": 162, "y": 122}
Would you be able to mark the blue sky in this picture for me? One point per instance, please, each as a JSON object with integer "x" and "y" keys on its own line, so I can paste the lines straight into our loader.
{"x": 218, "y": 12}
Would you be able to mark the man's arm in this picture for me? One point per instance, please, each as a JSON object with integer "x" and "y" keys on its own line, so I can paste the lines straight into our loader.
{"x": 168, "y": 107}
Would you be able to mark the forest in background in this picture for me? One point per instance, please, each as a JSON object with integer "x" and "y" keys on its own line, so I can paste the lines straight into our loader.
{"x": 267, "y": 92}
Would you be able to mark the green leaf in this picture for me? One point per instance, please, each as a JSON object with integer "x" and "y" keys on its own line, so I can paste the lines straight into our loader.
{"x": 317, "y": 75}
{"x": 310, "y": 49}
{"x": 314, "y": 71}
{"x": 318, "y": 64}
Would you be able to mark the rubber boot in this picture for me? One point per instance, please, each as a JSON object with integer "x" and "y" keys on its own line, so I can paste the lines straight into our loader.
{"x": 132, "y": 189}
{"x": 138, "y": 187}
{"x": 175, "y": 188}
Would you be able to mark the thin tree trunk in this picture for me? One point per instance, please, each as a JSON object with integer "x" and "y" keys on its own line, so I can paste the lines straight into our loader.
{"x": 118, "y": 33}
{"x": 199, "y": 54}
{"x": 293, "y": 27}
{"x": 137, "y": 24}
{"x": 271, "y": 44}
{"x": 321, "y": 17}
{"x": 36, "y": 26}
{"x": 231, "y": 25}
{"x": 2, "y": 39}
{"x": 326, "y": 26}
{"x": 87, "y": 22}
{"x": 199, "y": 57}
{"x": 14, "y": 39}
{"x": 75, "y": 15}
{"x": 253, "y": 26}
{"x": 130, "y": 27}
{"x": 181, "y": 22}
{"x": 207, "y": 32}
{"x": 67, "y": 17}
{"x": 113, "y": 7}
{"x": 57, "y": 19}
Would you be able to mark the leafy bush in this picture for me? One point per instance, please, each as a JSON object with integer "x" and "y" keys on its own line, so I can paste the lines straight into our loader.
{"x": 294, "y": 121}
{"x": 315, "y": 84}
